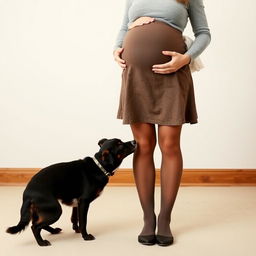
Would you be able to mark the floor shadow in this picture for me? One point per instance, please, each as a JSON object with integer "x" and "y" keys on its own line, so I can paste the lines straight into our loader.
{"x": 215, "y": 214}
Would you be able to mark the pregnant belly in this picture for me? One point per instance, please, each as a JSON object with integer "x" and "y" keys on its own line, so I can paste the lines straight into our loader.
{"x": 143, "y": 45}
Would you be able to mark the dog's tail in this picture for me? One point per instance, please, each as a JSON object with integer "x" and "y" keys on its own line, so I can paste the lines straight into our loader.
{"x": 24, "y": 220}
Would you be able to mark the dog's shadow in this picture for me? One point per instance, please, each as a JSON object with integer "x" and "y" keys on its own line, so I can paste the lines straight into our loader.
{"x": 96, "y": 229}
{"x": 108, "y": 227}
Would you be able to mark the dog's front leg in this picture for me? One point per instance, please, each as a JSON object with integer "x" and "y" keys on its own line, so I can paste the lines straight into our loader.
{"x": 83, "y": 207}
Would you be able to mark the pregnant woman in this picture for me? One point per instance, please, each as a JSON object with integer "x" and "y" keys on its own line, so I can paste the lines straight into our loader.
{"x": 157, "y": 89}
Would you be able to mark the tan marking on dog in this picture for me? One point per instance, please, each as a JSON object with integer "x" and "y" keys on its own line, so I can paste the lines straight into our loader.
{"x": 104, "y": 153}
{"x": 40, "y": 219}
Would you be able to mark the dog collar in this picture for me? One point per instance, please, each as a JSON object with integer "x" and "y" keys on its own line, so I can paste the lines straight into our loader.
{"x": 100, "y": 166}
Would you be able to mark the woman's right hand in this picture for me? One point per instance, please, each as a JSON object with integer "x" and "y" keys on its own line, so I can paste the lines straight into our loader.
{"x": 141, "y": 21}
{"x": 118, "y": 59}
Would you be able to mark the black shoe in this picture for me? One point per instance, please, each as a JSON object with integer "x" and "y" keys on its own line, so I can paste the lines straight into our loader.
{"x": 147, "y": 240}
{"x": 164, "y": 240}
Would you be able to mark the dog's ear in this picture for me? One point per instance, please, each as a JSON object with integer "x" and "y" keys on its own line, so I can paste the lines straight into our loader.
{"x": 100, "y": 143}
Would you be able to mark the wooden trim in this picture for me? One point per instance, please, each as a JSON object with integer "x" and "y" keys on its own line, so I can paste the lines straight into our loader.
{"x": 124, "y": 177}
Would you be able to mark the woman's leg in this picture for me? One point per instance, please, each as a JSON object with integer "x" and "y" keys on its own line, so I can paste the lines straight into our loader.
{"x": 171, "y": 171}
{"x": 144, "y": 172}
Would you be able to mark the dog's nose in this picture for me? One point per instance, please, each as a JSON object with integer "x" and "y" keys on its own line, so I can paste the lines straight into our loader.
{"x": 133, "y": 142}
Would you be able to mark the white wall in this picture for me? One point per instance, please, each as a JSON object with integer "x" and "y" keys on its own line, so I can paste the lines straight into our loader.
{"x": 59, "y": 84}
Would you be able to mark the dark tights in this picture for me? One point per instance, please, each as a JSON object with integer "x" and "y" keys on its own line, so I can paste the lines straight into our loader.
{"x": 144, "y": 173}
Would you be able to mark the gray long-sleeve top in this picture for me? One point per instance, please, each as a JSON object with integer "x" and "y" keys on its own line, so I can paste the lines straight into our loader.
{"x": 173, "y": 13}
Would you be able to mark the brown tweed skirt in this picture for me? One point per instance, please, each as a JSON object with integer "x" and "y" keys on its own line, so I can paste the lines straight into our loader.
{"x": 148, "y": 97}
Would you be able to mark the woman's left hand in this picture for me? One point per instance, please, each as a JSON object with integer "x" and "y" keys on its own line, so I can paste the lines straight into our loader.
{"x": 178, "y": 61}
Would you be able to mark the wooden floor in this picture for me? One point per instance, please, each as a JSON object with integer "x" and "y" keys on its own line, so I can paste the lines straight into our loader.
{"x": 124, "y": 177}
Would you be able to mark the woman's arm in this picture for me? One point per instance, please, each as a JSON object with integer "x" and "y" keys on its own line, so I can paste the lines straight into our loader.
{"x": 124, "y": 26}
{"x": 200, "y": 28}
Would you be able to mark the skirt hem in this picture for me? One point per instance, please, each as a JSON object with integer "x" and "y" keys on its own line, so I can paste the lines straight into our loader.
{"x": 158, "y": 121}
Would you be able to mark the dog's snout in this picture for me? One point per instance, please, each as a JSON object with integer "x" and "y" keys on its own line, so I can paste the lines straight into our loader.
{"x": 133, "y": 142}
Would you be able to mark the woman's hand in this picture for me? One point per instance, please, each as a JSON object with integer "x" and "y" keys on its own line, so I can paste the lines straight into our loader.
{"x": 178, "y": 61}
{"x": 117, "y": 58}
{"x": 140, "y": 21}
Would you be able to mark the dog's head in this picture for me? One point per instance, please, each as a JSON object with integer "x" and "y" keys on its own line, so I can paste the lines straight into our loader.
{"x": 112, "y": 152}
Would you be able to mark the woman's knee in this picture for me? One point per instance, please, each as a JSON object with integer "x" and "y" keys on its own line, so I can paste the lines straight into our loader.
{"x": 145, "y": 136}
{"x": 169, "y": 147}
{"x": 169, "y": 139}
{"x": 146, "y": 146}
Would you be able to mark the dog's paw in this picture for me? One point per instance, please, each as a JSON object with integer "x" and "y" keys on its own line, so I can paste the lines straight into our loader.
{"x": 44, "y": 243}
{"x": 56, "y": 231}
{"x": 89, "y": 237}
{"x": 76, "y": 229}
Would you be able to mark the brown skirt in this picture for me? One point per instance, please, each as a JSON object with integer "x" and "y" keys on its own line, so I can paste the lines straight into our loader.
{"x": 148, "y": 97}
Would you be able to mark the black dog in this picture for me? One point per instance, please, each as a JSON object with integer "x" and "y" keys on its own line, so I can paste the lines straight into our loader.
{"x": 75, "y": 183}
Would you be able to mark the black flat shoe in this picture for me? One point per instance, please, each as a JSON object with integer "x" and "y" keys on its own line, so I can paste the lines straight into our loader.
{"x": 164, "y": 240}
{"x": 147, "y": 240}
